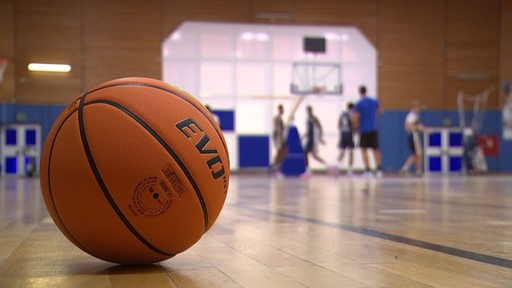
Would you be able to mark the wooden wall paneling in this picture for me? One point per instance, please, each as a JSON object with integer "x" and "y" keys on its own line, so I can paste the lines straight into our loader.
{"x": 505, "y": 56}
{"x": 360, "y": 13}
{"x": 177, "y": 11}
{"x": 410, "y": 43}
{"x": 6, "y": 49}
{"x": 48, "y": 33}
{"x": 174, "y": 13}
{"x": 325, "y": 12}
{"x": 472, "y": 45}
{"x": 121, "y": 39}
{"x": 266, "y": 11}
{"x": 421, "y": 45}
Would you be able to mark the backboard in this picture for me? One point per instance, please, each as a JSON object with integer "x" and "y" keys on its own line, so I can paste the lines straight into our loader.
{"x": 320, "y": 78}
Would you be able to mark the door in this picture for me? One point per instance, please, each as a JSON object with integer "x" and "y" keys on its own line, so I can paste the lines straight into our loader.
{"x": 443, "y": 150}
{"x": 20, "y": 149}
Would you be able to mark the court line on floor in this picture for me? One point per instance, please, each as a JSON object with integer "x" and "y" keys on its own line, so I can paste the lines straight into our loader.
{"x": 488, "y": 259}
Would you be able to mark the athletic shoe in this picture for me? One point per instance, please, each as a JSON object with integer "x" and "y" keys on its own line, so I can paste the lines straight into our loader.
{"x": 333, "y": 170}
{"x": 367, "y": 174}
{"x": 305, "y": 175}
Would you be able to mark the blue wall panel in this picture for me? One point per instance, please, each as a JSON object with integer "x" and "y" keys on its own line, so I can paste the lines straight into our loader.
{"x": 44, "y": 115}
{"x": 393, "y": 143}
{"x": 392, "y": 135}
{"x": 226, "y": 119}
{"x": 253, "y": 151}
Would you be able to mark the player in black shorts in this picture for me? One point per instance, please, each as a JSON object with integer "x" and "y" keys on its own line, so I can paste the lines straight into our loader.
{"x": 313, "y": 138}
{"x": 413, "y": 128}
{"x": 369, "y": 140}
{"x": 365, "y": 120}
{"x": 279, "y": 139}
{"x": 346, "y": 141}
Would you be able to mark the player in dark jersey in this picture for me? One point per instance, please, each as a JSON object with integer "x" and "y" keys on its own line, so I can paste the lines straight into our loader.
{"x": 346, "y": 141}
{"x": 279, "y": 138}
{"x": 313, "y": 137}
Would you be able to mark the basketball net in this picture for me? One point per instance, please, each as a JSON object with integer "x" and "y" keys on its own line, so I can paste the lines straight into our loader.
{"x": 3, "y": 67}
{"x": 478, "y": 102}
{"x": 507, "y": 105}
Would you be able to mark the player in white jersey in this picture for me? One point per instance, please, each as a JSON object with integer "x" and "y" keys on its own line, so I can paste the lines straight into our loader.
{"x": 413, "y": 128}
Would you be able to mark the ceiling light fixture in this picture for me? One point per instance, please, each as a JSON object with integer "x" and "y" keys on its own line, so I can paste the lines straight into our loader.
{"x": 47, "y": 67}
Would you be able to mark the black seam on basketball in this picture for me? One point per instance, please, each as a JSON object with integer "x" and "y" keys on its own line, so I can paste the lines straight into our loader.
{"x": 104, "y": 187}
{"x": 75, "y": 240}
{"x": 166, "y": 146}
{"x": 174, "y": 93}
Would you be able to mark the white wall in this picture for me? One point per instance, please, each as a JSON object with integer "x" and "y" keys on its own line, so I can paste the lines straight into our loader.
{"x": 248, "y": 68}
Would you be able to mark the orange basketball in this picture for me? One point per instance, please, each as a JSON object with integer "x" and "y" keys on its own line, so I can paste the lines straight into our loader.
{"x": 134, "y": 171}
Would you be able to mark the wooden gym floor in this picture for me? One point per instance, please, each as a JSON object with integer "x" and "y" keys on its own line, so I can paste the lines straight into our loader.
{"x": 324, "y": 231}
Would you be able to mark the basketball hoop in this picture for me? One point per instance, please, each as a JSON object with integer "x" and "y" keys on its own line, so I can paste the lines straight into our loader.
{"x": 318, "y": 89}
{"x": 3, "y": 67}
{"x": 479, "y": 103}
{"x": 316, "y": 78}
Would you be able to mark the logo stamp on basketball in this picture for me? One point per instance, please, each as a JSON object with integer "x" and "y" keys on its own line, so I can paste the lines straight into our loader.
{"x": 151, "y": 197}
{"x": 176, "y": 184}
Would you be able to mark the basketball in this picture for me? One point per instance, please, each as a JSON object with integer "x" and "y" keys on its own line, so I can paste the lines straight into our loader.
{"x": 134, "y": 171}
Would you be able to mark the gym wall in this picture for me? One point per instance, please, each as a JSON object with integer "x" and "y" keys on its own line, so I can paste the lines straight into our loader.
{"x": 427, "y": 50}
